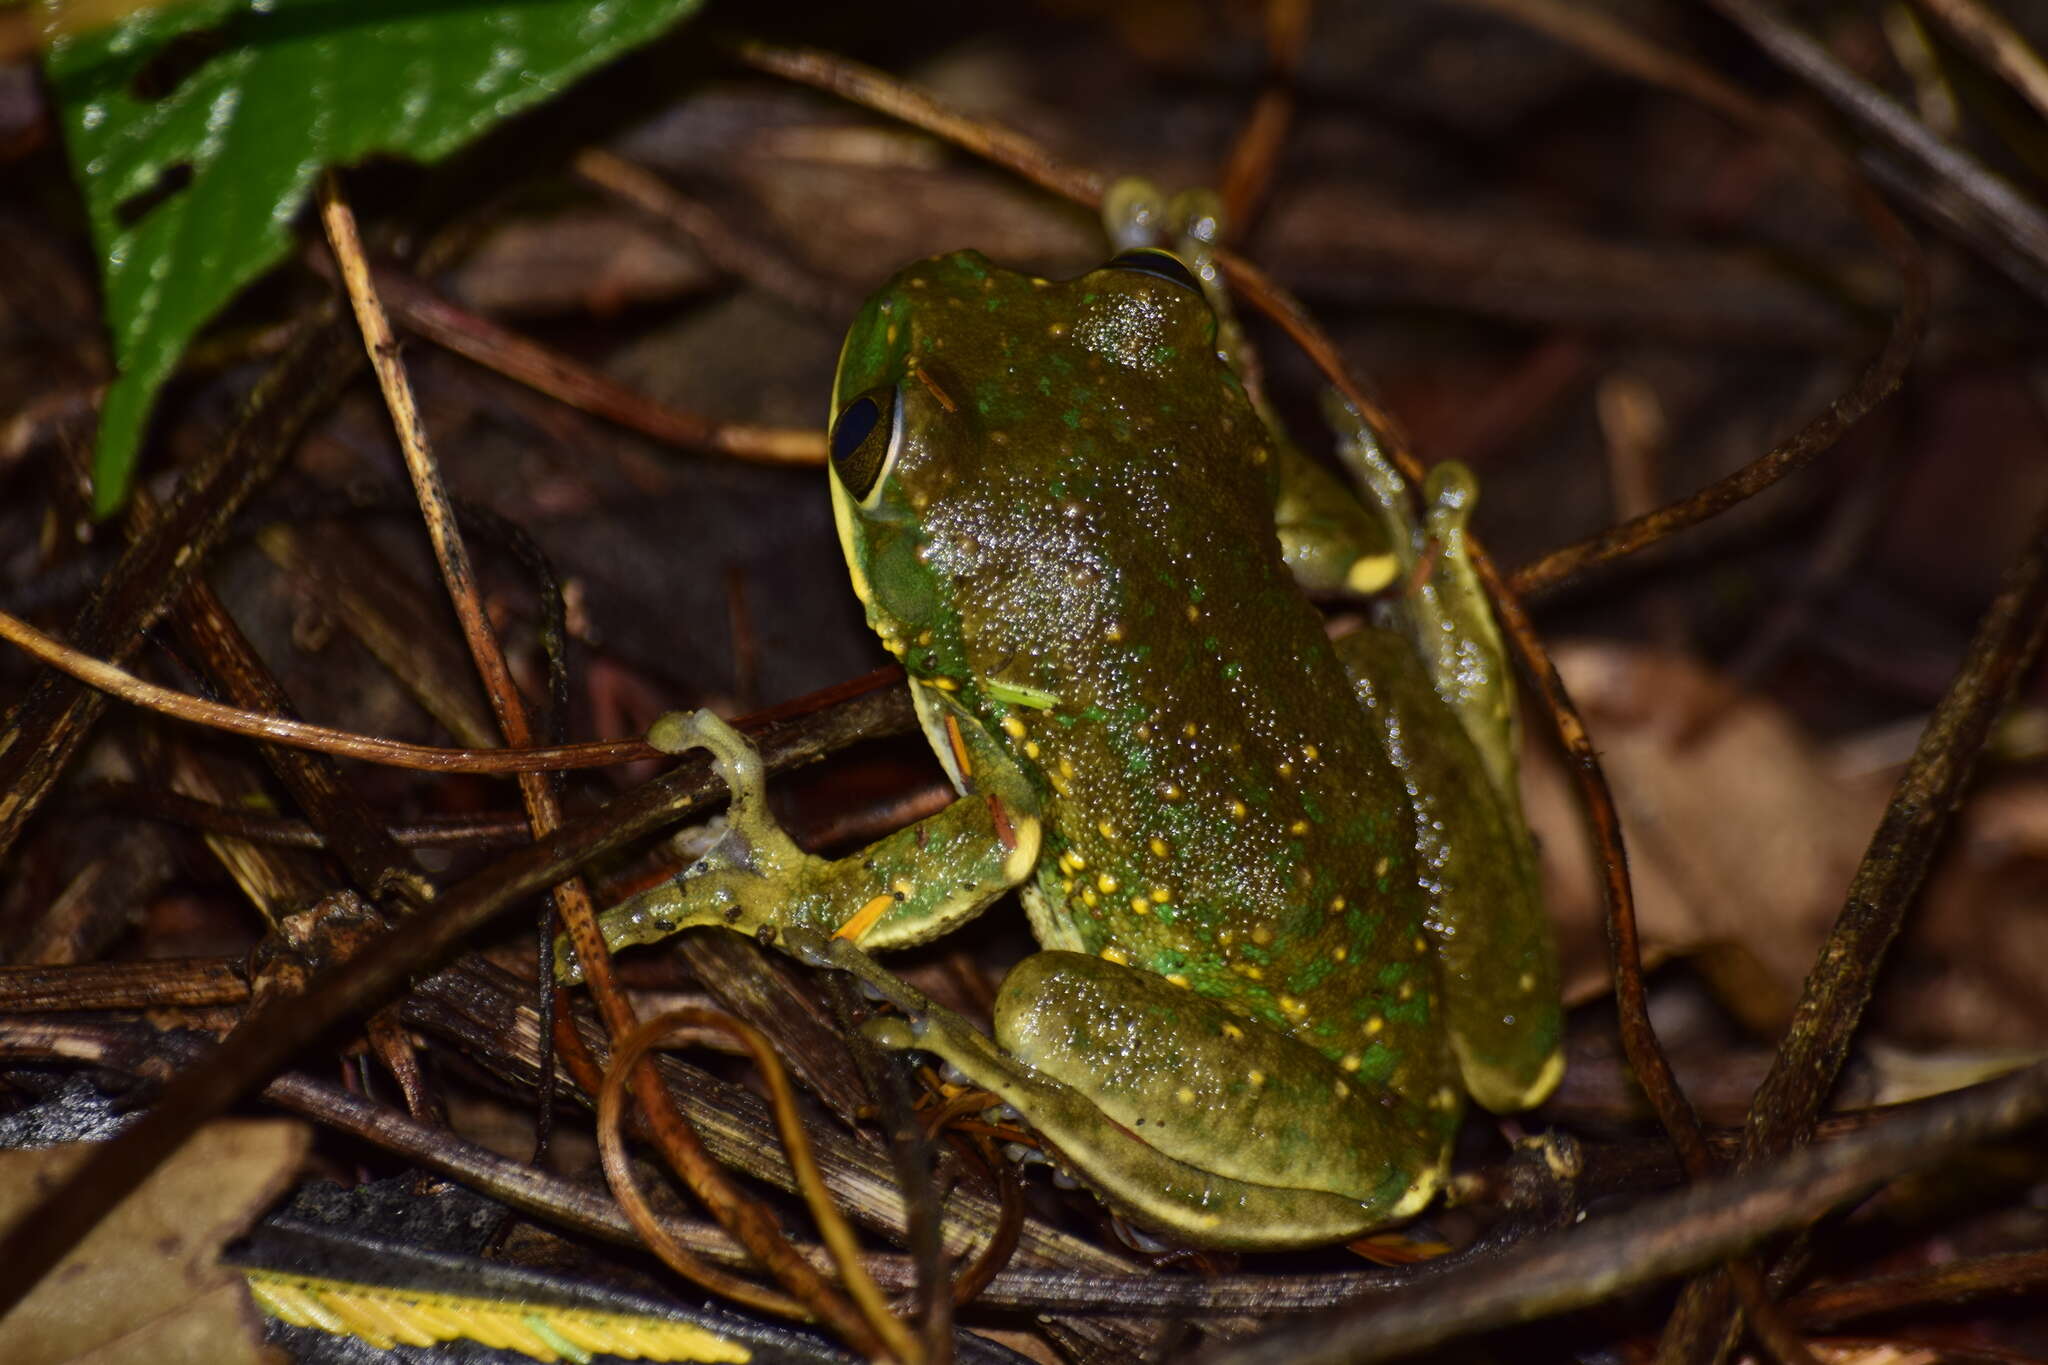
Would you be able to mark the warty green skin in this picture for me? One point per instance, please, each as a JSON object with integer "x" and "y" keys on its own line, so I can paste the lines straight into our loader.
{"x": 1238, "y": 1033}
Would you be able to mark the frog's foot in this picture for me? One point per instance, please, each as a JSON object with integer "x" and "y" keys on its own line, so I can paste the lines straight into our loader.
{"x": 740, "y": 882}
{"x": 1218, "y": 1131}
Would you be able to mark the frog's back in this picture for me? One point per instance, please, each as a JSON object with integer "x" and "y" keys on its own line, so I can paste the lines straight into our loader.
{"x": 1221, "y": 810}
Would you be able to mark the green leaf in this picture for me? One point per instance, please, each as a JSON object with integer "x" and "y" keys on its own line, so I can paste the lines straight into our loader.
{"x": 196, "y": 131}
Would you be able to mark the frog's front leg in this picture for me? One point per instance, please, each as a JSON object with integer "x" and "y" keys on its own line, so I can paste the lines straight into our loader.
{"x": 909, "y": 887}
{"x": 1182, "y": 1114}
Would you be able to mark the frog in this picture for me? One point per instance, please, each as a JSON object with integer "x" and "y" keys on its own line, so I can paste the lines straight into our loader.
{"x": 1287, "y": 907}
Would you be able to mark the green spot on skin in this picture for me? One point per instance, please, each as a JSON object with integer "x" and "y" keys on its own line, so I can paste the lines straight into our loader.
{"x": 1231, "y": 670}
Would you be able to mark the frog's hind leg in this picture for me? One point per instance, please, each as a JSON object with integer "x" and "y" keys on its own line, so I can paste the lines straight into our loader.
{"x": 1184, "y": 1115}
{"x": 1493, "y": 940}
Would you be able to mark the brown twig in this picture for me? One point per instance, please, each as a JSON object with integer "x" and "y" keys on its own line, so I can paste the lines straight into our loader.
{"x": 1997, "y": 44}
{"x": 45, "y": 729}
{"x": 1658, "y": 1238}
{"x": 547, "y": 370}
{"x": 745, "y": 1218}
{"x": 1248, "y": 171}
{"x": 110, "y": 681}
{"x": 838, "y": 1237}
{"x": 1614, "y": 46}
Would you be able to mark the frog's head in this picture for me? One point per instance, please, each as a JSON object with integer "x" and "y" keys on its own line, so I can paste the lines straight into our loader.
{"x": 970, "y": 399}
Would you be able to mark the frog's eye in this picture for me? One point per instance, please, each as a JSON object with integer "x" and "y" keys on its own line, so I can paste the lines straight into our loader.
{"x": 1160, "y": 265}
{"x": 865, "y": 436}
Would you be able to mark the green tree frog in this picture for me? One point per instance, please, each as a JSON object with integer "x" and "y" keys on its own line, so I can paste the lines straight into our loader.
{"x": 1287, "y": 906}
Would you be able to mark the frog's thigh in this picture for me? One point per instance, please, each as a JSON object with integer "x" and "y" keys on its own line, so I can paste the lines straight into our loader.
{"x": 1195, "y": 1119}
{"x": 1495, "y": 951}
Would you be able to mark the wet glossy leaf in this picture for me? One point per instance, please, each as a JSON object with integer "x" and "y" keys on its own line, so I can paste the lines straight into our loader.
{"x": 196, "y": 131}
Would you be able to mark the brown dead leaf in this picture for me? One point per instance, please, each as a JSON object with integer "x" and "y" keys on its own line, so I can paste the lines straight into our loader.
{"x": 147, "y": 1287}
{"x": 1743, "y": 833}
{"x": 1741, "y": 840}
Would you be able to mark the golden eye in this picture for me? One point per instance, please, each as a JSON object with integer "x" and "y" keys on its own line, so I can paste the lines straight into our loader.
{"x": 865, "y": 437}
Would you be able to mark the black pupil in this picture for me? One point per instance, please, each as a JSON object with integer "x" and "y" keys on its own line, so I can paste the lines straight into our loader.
{"x": 853, "y": 427}
{"x": 860, "y": 444}
{"x": 1160, "y": 265}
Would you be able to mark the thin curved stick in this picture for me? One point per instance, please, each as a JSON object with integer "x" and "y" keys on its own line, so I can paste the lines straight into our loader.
{"x": 1002, "y": 1243}
{"x": 832, "y": 1227}
{"x": 1614, "y": 46}
{"x": 746, "y": 1219}
{"x": 299, "y": 734}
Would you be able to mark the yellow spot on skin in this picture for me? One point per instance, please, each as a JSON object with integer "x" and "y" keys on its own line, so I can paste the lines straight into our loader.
{"x": 1171, "y": 791}
{"x": 1031, "y": 748}
{"x": 1066, "y": 886}
{"x": 1310, "y": 752}
{"x": 1184, "y": 1095}
{"x": 1089, "y": 898}
{"x": 1291, "y": 1007}
{"x": 944, "y": 685}
{"x": 1421, "y": 945}
{"x": 1351, "y": 1061}
{"x": 902, "y": 887}
{"x": 1113, "y": 632}
{"x": 1012, "y": 727}
{"x": 1059, "y": 784}
{"x": 1140, "y": 906}
{"x": 1225, "y": 937}
{"x": 1447, "y": 1098}
{"x": 864, "y": 918}
{"x": 1379, "y": 869}
{"x": 1252, "y": 973}
{"x": 1255, "y": 1077}
{"x": 1106, "y": 882}
{"x": 924, "y": 637}
{"x": 1194, "y": 612}
{"x": 1074, "y": 856}
{"x": 1112, "y": 955}
{"x": 1191, "y": 729}
{"x": 1284, "y": 768}
{"x": 1407, "y": 991}
{"x": 1262, "y": 935}
{"x": 1339, "y": 953}
{"x": 1238, "y": 810}
{"x": 1176, "y": 979}
{"x": 1299, "y": 827}
{"x": 1343, "y": 1091}
{"x": 1232, "y": 1032}
{"x": 1066, "y": 766}
{"x": 1527, "y": 981}
{"x": 1160, "y": 895}
{"x": 1374, "y": 1025}
{"x": 1369, "y": 573}
{"x": 1158, "y": 847}
{"x": 1106, "y": 830}
{"x": 1336, "y": 905}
